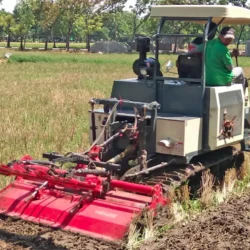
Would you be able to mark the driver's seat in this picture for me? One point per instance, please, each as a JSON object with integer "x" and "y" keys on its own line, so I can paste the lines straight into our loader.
{"x": 189, "y": 66}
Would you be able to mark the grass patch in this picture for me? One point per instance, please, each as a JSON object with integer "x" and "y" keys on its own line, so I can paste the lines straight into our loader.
{"x": 145, "y": 231}
{"x": 44, "y": 105}
{"x": 55, "y": 57}
{"x": 41, "y": 45}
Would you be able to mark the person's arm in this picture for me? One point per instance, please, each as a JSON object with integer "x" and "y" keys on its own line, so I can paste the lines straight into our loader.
{"x": 234, "y": 53}
{"x": 227, "y": 60}
{"x": 230, "y": 67}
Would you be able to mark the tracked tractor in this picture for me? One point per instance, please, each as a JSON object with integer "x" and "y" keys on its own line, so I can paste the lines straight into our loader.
{"x": 154, "y": 132}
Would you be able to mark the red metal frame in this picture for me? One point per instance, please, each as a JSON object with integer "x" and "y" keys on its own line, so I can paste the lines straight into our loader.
{"x": 43, "y": 194}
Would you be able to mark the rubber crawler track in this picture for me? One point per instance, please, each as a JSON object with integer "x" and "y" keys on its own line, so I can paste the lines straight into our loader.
{"x": 176, "y": 175}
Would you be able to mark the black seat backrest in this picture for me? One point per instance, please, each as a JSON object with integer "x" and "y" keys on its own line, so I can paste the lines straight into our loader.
{"x": 189, "y": 66}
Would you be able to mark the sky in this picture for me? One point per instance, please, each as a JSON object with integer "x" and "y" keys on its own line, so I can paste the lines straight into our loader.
{"x": 9, "y": 5}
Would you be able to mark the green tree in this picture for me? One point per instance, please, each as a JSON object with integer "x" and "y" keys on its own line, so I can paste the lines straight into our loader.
{"x": 46, "y": 13}
{"x": 114, "y": 8}
{"x": 72, "y": 10}
{"x": 122, "y": 29}
{"x": 141, "y": 12}
{"x": 240, "y": 3}
{"x": 102, "y": 34}
{"x": 87, "y": 25}
{"x": 9, "y": 22}
{"x": 24, "y": 19}
{"x": 6, "y": 22}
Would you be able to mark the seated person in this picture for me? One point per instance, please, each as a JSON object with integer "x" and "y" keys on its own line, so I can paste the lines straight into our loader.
{"x": 199, "y": 40}
{"x": 150, "y": 64}
{"x": 219, "y": 65}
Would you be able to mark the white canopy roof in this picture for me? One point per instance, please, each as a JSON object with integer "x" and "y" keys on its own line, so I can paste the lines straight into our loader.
{"x": 232, "y": 14}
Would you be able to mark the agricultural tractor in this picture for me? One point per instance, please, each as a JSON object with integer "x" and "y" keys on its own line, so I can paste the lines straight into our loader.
{"x": 156, "y": 131}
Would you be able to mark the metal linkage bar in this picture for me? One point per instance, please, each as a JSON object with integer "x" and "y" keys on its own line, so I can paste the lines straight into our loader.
{"x": 36, "y": 192}
{"x": 148, "y": 170}
{"x": 41, "y": 173}
{"x": 131, "y": 104}
{"x": 52, "y": 156}
{"x": 176, "y": 35}
{"x": 113, "y": 137}
{"x": 82, "y": 160}
{"x": 38, "y": 162}
{"x": 85, "y": 172}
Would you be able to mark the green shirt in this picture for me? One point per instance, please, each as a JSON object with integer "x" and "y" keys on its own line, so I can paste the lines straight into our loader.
{"x": 217, "y": 59}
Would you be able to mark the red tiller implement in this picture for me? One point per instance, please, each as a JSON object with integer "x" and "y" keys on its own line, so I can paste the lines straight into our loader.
{"x": 83, "y": 200}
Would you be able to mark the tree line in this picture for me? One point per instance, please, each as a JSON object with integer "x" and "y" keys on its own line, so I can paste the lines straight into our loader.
{"x": 83, "y": 20}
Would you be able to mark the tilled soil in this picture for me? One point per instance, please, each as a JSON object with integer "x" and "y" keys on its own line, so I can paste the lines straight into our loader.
{"x": 226, "y": 228}
{"x": 20, "y": 235}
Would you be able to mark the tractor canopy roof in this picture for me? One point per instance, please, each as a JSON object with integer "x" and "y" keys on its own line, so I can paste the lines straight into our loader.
{"x": 230, "y": 14}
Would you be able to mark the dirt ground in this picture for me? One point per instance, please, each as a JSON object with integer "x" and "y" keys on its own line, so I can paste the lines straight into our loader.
{"x": 224, "y": 228}
{"x": 20, "y": 235}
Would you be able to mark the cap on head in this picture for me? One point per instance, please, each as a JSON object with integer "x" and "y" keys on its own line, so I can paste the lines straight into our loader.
{"x": 150, "y": 60}
{"x": 227, "y": 32}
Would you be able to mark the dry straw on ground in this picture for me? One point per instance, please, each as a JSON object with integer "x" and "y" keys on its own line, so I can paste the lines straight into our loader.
{"x": 207, "y": 191}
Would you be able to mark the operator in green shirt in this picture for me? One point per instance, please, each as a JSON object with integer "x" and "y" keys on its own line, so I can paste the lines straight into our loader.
{"x": 219, "y": 65}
